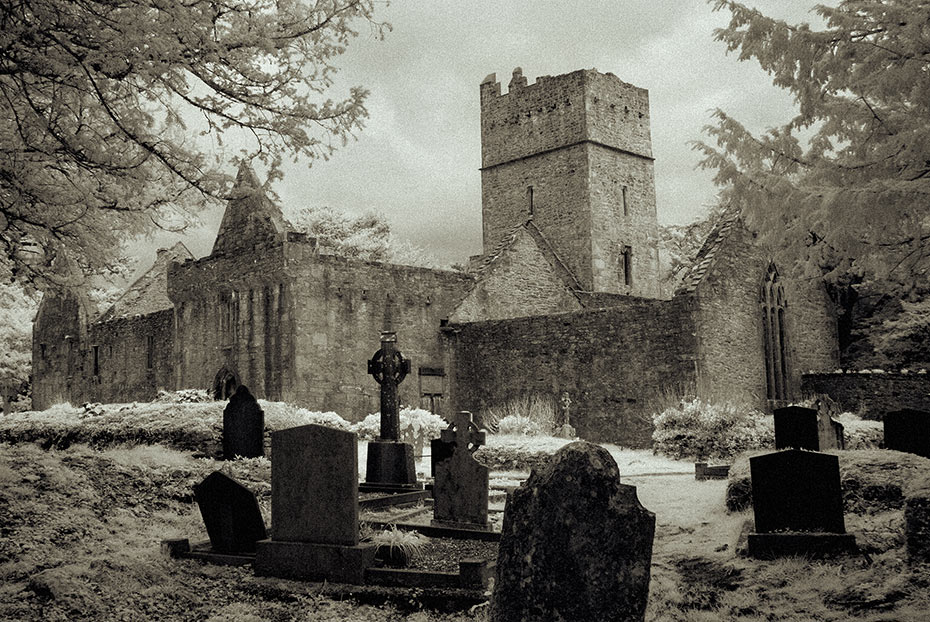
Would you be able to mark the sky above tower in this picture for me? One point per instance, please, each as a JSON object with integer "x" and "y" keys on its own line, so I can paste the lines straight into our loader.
{"x": 417, "y": 159}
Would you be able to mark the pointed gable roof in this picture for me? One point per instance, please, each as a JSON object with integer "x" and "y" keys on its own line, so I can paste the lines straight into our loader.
{"x": 250, "y": 217}
{"x": 149, "y": 292}
{"x": 502, "y": 288}
{"x": 709, "y": 251}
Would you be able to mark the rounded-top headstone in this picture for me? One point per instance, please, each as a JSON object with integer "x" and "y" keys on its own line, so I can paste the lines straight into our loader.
{"x": 243, "y": 426}
{"x": 576, "y": 544}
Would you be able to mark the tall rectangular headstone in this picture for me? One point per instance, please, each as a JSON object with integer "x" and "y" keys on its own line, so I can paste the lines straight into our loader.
{"x": 908, "y": 430}
{"x": 797, "y": 490}
{"x": 314, "y": 508}
{"x": 460, "y": 489}
{"x": 314, "y": 485}
{"x": 230, "y": 513}
{"x": 797, "y": 427}
{"x": 243, "y": 426}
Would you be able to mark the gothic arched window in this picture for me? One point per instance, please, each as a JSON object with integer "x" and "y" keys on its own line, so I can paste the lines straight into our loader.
{"x": 774, "y": 336}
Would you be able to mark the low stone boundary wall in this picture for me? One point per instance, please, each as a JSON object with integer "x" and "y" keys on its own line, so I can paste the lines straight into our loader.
{"x": 871, "y": 393}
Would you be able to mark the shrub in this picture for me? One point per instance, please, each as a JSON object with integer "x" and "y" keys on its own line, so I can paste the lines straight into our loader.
{"x": 699, "y": 430}
{"x": 518, "y": 424}
{"x": 517, "y": 452}
{"x": 860, "y": 433}
{"x": 417, "y": 426}
{"x": 539, "y": 409}
{"x": 184, "y": 396}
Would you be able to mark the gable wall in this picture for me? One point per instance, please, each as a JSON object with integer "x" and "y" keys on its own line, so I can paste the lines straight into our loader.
{"x": 521, "y": 282}
{"x": 59, "y": 346}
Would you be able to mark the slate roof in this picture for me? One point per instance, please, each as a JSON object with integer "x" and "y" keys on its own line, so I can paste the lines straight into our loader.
{"x": 709, "y": 251}
{"x": 149, "y": 292}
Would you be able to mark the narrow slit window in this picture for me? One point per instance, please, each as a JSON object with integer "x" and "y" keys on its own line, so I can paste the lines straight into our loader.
{"x": 96, "y": 360}
{"x": 149, "y": 352}
{"x": 529, "y": 199}
{"x": 624, "y": 198}
{"x": 626, "y": 259}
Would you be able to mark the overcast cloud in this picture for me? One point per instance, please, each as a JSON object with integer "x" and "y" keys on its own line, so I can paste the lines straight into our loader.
{"x": 417, "y": 159}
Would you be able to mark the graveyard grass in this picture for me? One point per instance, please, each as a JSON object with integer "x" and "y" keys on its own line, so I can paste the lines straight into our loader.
{"x": 81, "y": 528}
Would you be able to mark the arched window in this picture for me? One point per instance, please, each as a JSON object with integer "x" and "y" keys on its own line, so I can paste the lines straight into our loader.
{"x": 774, "y": 336}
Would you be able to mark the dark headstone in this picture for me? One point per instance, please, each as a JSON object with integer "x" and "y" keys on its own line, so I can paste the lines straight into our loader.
{"x": 908, "y": 430}
{"x": 797, "y": 490}
{"x": 390, "y": 462}
{"x": 576, "y": 543}
{"x": 806, "y": 428}
{"x": 314, "y": 508}
{"x": 460, "y": 489}
{"x": 243, "y": 426}
{"x": 314, "y": 485}
{"x": 231, "y": 514}
{"x": 917, "y": 527}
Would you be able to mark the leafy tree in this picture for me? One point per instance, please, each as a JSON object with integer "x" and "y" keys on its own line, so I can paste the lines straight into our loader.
{"x": 367, "y": 237}
{"x": 844, "y": 185}
{"x": 17, "y": 309}
{"x": 111, "y": 112}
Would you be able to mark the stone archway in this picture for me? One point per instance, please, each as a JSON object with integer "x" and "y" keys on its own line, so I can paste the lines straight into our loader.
{"x": 225, "y": 384}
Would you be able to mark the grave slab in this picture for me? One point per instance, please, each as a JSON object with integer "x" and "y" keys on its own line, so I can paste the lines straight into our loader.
{"x": 576, "y": 544}
{"x": 796, "y": 490}
{"x": 230, "y": 513}
{"x": 908, "y": 430}
{"x": 314, "y": 485}
{"x": 310, "y": 561}
{"x": 797, "y": 427}
{"x": 243, "y": 426}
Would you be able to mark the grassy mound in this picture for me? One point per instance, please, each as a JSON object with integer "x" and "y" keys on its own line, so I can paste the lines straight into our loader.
{"x": 873, "y": 480}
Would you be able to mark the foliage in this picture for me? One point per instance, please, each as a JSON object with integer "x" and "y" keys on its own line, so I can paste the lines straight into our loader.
{"x": 518, "y": 424}
{"x": 540, "y": 409}
{"x": 417, "y": 427}
{"x": 873, "y": 480}
{"x": 17, "y": 309}
{"x": 700, "y": 430}
{"x": 858, "y": 146}
{"x": 114, "y": 115}
{"x": 518, "y": 452}
{"x": 408, "y": 544}
{"x": 859, "y": 433}
{"x": 183, "y": 396}
{"x": 367, "y": 237}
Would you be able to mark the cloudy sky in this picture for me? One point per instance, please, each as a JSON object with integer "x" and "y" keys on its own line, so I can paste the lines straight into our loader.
{"x": 417, "y": 159}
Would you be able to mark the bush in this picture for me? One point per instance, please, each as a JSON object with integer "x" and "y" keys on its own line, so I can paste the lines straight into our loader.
{"x": 417, "y": 427}
{"x": 701, "y": 431}
{"x": 541, "y": 410}
{"x": 860, "y": 433}
{"x": 518, "y": 453}
{"x": 518, "y": 424}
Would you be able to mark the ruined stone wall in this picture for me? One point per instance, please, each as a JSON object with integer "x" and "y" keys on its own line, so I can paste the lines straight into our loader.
{"x": 618, "y": 365}
{"x": 728, "y": 317}
{"x": 339, "y": 317}
{"x": 135, "y": 358}
{"x": 728, "y": 320}
{"x": 235, "y": 312}
{"x": 871, "y": 395}
{"x": 59, "y": 348}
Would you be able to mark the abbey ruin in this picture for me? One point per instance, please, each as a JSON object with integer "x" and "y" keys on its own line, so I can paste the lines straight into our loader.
{"x": 564, "y": 299}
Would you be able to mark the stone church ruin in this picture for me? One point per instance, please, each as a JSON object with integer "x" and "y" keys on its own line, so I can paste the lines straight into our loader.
{"x": 564, "y": 298}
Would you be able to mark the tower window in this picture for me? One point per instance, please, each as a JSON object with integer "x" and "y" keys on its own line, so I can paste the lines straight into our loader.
{"x": 42, "y": 353}
{"x": 626, "y": 261}
{"x": 96, "y": 350}
{"x": 149, "y": 351}
{"x": 529, "y": 199}
{"x": 624, "y": 198}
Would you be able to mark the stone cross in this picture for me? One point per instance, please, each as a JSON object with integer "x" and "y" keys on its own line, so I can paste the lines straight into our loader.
{"x": 464, "y": 432}
{"x": 389, "y": 368}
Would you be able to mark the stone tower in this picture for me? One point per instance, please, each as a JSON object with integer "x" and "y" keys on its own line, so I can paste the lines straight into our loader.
{"x": 573, "y": 152}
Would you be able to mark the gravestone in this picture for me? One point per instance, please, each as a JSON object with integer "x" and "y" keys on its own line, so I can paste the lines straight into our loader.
{"x": 243, "y": 426}
{"x": 797, "y": 427}
{"x": 576, "y": 543}
{"x": 230, "y": 513}
{"x": 797, "y": 502}
{"x": 908, "y": 430}
{"x": 390, "y": 464}
{"x": 314, "y": 508}
{"x": 460, "y": 489}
